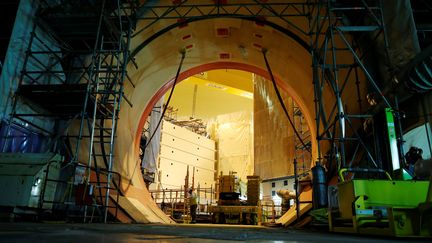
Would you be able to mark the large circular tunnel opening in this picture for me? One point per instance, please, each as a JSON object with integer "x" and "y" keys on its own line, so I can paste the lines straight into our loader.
{"x": 288, "y": 58}
{"x": 344, "y": 82}
{"x": 172, "y": 152}
{"x": 214, "y": 66}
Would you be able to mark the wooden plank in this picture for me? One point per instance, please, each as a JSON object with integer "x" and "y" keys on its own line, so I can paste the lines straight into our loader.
{"x": 138, "y": 214}
{"x": 120, "y": 215}
{"x": 140, "y": 206}
{"x": 291, "y": 215}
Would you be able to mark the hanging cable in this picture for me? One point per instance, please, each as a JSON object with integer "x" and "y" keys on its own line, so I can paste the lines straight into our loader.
{"x": 264, "y": 51}
{"x": 183, "y": 53}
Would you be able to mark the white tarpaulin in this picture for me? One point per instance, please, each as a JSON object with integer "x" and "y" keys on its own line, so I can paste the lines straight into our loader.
{"x": 418, "y": 137}
{"x": 152, "y": 150}
{"x": 234, "y": 134}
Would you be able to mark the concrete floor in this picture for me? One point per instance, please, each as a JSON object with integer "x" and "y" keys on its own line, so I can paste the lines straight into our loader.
{"x": 50, "y": 232}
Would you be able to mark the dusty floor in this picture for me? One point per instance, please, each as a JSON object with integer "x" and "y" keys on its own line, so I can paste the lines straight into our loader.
{"x": 50, "y": 232}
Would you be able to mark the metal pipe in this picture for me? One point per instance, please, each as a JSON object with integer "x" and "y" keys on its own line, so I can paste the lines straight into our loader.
{"x": 297, "y": 190}
{"x": 400, "y": 139}
{"x": 342, "y": 171}
{"x": 427, "y": 125}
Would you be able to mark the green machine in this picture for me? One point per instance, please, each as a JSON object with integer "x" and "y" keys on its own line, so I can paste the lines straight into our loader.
{"x": 401, "y": 208}
{"x": 384, "y": 207}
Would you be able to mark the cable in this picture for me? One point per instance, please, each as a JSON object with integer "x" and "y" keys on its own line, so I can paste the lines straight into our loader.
{"x": 264, "y": 51}
{"x": 183, "y": 52}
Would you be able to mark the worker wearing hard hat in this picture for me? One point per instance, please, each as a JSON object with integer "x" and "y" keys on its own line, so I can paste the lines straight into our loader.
{"x": 193, "y": 205}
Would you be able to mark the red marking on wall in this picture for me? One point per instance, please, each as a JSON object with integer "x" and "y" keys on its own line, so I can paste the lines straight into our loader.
{"x": 258, "y": 35}
{"x": 182, "y": 22}
{"x": 224, "y": 55}
{"x": 187, "y": 37}
{"x": 222, "y": 32}
{"x": 190, "y": 46}
{"x": 257, "y": 46}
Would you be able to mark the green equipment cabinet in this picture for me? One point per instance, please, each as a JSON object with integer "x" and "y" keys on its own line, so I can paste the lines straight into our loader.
{"x": 382, "y": 207}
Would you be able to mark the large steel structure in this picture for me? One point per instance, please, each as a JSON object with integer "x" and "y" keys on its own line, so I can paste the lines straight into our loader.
{"x": 73, "y": 76}
{"x": 76, "y": 85}
{"x": 335, "y": 37}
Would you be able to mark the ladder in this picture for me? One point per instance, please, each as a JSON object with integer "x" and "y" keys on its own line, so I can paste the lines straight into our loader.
{"x": 107, "y": 74}
{"x": 300, "y": 151}
{"x": 73, "y": 75}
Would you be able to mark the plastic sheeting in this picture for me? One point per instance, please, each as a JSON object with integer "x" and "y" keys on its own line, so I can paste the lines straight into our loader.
{"x": 418, "y": 137}
{"x": 273, "y": 135}
{"x": 10, "y": 78}
{"x": 234, "y": 135}
{"x": 152, "y": 150}
{"x": 17, "y": 139}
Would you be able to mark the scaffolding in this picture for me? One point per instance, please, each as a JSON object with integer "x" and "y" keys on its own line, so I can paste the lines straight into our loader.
{"x": 75, "y": 68}
{"x": 181, "y": 13}
{"x": 72, "y": 79}
{"x": 173, "y": 201}
{"x": 337, "y": 29}
{"x": 301, "y": 153}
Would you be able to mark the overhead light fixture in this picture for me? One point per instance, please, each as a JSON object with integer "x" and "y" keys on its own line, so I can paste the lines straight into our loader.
{"x": 248, "y": 95}
{"x": 216, "y": 86}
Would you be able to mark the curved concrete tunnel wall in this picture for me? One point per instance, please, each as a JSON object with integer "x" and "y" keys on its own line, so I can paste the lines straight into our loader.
{"x": 158, "y": 63}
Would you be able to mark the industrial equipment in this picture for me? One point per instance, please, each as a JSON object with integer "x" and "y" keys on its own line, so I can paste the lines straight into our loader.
{"x": 253, "y": 190}
{"x": 28, "y": 181}
{"x": 286, "y": 196}
{"x": 229, "y": 209}
{"x": 381, "y": 207}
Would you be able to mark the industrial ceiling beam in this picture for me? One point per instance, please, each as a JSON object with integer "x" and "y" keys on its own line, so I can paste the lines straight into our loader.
{"x": 149, "y": 13}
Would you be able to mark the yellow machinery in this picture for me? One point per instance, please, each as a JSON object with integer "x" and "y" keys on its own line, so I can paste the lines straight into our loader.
{"x": 229, "y": 209}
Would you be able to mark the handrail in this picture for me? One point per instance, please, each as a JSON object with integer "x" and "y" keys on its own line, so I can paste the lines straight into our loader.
{"x": 344, "y": 170}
